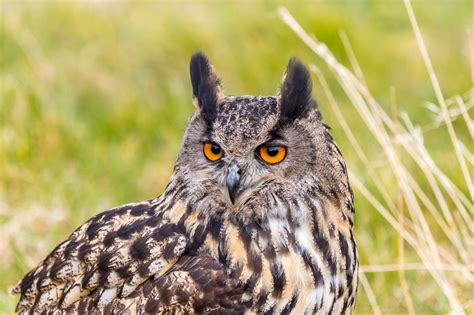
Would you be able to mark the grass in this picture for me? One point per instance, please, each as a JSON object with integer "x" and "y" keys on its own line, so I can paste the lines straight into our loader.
{"x": 417, "y": 227}
{"x": 94, "y": 98}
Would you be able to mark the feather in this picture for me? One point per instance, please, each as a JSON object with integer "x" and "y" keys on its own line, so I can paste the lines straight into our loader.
{"x": 295, "y": 92}
{"x": 206, "y": 86}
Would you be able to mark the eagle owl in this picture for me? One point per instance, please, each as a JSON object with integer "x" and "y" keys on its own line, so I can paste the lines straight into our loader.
{"x": 257, "y": 218}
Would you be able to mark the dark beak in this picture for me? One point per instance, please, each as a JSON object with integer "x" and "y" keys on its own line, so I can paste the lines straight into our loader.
{"x": 233, "y": 181}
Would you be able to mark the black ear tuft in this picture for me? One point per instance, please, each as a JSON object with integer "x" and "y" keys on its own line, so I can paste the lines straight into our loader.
{"x": 206, "y": 86}
{"x": 295, "y": 93}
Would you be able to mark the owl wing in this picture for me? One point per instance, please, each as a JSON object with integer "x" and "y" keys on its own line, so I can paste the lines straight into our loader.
{"x": 115, "y": 256}
{"x": 195, "y": 284}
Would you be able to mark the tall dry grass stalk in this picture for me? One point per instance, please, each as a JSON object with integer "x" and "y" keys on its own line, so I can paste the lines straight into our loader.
{"x": 432, "y": 214}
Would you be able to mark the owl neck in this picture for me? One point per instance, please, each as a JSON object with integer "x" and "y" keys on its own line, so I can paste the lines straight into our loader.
{"x": 294, "y": 254}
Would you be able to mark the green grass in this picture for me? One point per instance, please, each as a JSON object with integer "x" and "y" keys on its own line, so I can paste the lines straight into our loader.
{"x": 94, "y": 99}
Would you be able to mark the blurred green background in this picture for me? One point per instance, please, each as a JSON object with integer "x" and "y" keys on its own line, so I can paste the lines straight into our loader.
{"x": 95, "y": 95}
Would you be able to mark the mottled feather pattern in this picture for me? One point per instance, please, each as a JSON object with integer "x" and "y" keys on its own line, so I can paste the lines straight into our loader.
{"x": 118, "y": 249}
{"x": 197, "y": 283}
{"x": 284, "y": 245}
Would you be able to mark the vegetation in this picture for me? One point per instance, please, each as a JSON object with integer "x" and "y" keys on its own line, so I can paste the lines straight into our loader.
{"x": 94, "y": 99}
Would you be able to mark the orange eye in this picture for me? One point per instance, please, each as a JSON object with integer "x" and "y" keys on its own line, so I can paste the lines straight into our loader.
{"x": 272, "y": 154}
{"x": 212, "y": 151}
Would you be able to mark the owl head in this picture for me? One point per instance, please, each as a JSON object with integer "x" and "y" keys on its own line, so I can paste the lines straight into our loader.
{"x": 245, "y": 153}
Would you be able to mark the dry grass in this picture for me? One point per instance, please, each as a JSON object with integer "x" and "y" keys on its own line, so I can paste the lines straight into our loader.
{"x": 431, "y": 214}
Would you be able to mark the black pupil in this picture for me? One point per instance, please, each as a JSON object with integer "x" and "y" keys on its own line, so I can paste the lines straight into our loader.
{"x": 215, "y": 149}
{"x": 272, "y": 151}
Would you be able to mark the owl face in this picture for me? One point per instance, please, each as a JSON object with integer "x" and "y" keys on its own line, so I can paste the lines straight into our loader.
{"x": 237, "y": 147}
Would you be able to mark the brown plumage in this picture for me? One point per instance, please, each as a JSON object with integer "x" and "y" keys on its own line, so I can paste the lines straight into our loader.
{"x": 257, "y": 217}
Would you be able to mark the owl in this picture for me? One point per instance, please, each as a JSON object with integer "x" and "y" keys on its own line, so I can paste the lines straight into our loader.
{"x": 257, "y": 218}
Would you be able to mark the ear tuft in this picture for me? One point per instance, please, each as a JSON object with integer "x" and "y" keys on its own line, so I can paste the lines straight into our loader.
{"x": 295, "y": 92}
{"x": 206, "y": 86}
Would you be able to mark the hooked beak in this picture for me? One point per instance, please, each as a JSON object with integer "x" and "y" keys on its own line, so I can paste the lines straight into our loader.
{"x": 233, "y": 181}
